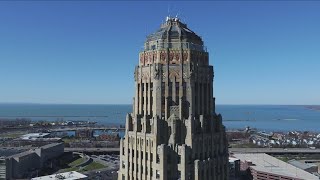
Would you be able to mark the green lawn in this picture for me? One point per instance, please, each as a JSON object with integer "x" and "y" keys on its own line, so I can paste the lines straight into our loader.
{"x": 70, "y": 169}
{"x": 77, "y": 162}
{"x": 89, "y": 167}
{"x": 92, "y": 166}
{"x": 247, "y": 145}
{"x": 68, "y": 140}
{"x": 14, "y": 135}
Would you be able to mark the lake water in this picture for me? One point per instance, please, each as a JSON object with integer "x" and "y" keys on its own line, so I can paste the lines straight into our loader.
{"x": 262, "y": 117}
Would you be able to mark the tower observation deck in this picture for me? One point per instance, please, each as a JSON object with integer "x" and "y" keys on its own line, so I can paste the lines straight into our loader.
{"x": 173, "y": 131}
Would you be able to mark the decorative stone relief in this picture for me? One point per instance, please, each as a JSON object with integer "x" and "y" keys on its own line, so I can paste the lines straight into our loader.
{"x": 185, "y": 76}
{"x": 145, "y": 76}
{"x": 150, "y": 57}
{"x": 162, "y": 56}
{"x": 141, "y": 58}
{"x": 163, "y": 75}
{"x": 154, "y": 56}
{"x": 208, "y": 76}
{"x": 174, "y": 74}
{"x": 138, "y": 75}
{"x": 177, "y": 56}
{"x": 171, "y": 56}
{"x": 156, "y": 71}
{"x": 185, "y": 57}
{"x": 146, "y": 58}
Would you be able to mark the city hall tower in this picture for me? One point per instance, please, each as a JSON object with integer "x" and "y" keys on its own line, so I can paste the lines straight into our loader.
{"x": 173, "y": 131}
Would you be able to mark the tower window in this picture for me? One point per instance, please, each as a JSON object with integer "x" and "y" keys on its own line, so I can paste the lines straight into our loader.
{"x": 151, "y": 98}
{"x": 138, "y": 98}
{"x": 157, "y": 174}
{"x": 170, "y": 101}
{"x": 170, "y": 88}
{"x": 158, "y": 159}
{"x": 177, "y": 93}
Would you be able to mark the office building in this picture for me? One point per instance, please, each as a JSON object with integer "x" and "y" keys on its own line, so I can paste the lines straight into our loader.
{"x": 173, "y": 131}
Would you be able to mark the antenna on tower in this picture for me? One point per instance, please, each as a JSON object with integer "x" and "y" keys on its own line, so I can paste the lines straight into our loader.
{"x": 178, "y": 14}
{"x": 182, "y": 18}
{"x": 146, "y": 29}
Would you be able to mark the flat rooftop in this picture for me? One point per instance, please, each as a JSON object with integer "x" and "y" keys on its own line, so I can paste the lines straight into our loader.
{"x": 9, "y": 151}
{"x": 268, "y": 164}
{"x": 65, "y": 176}
{"x": 34, "y": 135}
{"x": 301, "y": 165}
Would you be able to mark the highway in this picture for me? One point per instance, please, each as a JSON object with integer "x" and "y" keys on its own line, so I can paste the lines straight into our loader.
{"x": 83, "y": 128}
{"x": 231, "y": 150}
{"x": 275, "y": 150}
{"x": 92, "y": 150}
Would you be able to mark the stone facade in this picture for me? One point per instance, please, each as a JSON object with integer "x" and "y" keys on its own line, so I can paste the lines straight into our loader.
{"x": 173, "y": 131}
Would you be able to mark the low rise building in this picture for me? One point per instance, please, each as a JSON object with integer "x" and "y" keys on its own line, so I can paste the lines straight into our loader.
{"x": 234, "y": 168}
{"x": 15, "y": 164}
{"x": 84, "y": 133}
{"x": 73, "y": 175}
{"x": 264, "y": 167}
{"x": 4, "y": 153}
{"x": 33, "y": 139}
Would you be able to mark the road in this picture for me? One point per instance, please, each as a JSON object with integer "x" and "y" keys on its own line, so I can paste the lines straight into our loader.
{"x": 232, "y": 150}
{"x": 275, "y": 150}
{"x": 84, "y": 128}
{"x": 116, "y": 150}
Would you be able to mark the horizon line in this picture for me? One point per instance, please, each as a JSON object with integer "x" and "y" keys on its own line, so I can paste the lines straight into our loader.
{"x": 31, "y": 103}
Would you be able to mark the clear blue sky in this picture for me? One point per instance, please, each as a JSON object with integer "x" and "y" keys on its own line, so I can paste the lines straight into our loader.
{"x": 85, "y": 52}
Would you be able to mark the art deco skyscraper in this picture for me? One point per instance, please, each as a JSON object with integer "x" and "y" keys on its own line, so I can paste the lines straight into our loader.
{"x": 173, "y": 131}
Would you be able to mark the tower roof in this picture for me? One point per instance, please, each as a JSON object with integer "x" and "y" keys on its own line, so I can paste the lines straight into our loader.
{"x": 174, "y": 30}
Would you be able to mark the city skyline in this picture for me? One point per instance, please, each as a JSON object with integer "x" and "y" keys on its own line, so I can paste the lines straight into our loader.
{"x": 71, "y": 52}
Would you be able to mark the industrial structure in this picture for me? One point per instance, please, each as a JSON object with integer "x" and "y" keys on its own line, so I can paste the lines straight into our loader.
{"x": 265, "y": 167}
{"x": 173, "y": 131}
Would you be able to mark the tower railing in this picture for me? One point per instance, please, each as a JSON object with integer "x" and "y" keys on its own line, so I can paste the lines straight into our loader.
{"x": 173, "y": 45}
